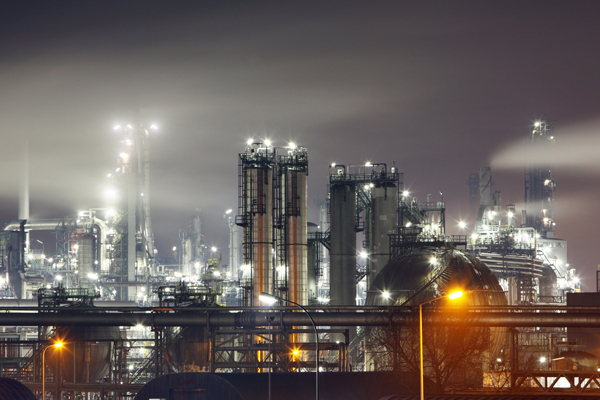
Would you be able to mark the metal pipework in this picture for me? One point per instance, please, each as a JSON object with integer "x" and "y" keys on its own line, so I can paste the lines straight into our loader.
{"x": 583, "y": 319}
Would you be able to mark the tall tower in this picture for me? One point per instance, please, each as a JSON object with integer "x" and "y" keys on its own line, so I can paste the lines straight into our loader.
{"x": 132, "y": 243}
{"x": 539, "y": 184}
{"x": 292, "y": 221}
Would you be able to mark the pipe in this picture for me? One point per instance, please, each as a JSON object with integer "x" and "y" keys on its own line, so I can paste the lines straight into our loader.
{"x": 288, "y": 318}
{"x": 37, "y": 224}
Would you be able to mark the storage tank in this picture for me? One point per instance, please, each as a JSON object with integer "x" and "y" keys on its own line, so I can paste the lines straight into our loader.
{"x": 11, "y": 389}
{"x": 426, "y": 273}
{"x": 85, "y": 355}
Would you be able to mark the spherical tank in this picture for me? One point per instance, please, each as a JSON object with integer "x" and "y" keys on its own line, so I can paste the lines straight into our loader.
{"x": 84, "y": 357}
{"x": 424, "y": 274}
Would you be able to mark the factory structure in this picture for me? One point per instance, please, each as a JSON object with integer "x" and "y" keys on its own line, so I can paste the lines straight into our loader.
{"x": 374, "y": 245}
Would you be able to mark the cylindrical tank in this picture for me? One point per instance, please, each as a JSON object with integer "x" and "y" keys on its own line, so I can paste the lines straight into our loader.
{"x": 342, "y": 256}
{"x": 311, "y": 262}
{"x": 85, "y": 258}
{"x": 84, "y": 357}
{"x": 257, "y": 198}
{"x": 295, "y": 233}
{"x": 548, "y": 285}
{"x": 384, "y": 210}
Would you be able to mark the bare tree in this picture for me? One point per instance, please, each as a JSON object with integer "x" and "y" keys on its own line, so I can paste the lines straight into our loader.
{"x": 454, "y": 357}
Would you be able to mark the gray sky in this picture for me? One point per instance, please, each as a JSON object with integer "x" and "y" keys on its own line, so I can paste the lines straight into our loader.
{"x": 439, "y": 88}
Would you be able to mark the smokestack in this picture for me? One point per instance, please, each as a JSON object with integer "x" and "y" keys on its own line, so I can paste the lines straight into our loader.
{"x": 24, "y": 183}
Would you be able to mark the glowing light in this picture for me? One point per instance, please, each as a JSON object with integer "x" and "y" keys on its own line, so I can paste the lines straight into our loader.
{"x": 368, "y": 164}
{"x": 408, "y": 224}
{"x": 153, "y": 127}
{"x": 174, "y": 248}
{"x": 332, "y": 165}
{"x": 510, "y": 215}
{"x": 117, "y": 127}
{"x": 363, "y": 254}
{"x": 124, "y": 155}
{"x": 386, "y": 295}
{"x": 433, "y": 261}
{"x": 229, "y": 211}
{"x": 213, "y": 249}
{"x": 455, "y": 295}
{"x": 59, "y": 278}
{"x": 292, "y": 145}
{"x": 268, "y": 143}
{"x": 536, "y": 124}
{"x": 216, "y": 273}
{"x": 109, "y": 175}
{"x": 296, "y": 352}
{"x": 405, "y": 193}
{"x": 542, "y": 359}
{"x": 498, "y": 359}
{"x": 267, "y": 298}
{"x": 462, "y": 224}
{"x": 58, "y": 345}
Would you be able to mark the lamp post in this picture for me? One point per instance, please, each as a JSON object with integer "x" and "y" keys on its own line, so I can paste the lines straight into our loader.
{"x": 57, "y": 345}
{"x": 271, "y": 299}
{"x": 451, "y": 296}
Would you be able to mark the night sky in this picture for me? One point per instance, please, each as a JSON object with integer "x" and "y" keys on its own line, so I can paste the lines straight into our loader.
{"x": 439, "y": 88}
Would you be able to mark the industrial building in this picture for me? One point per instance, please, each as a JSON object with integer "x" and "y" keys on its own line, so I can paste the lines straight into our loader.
{"x": 375, "y": 250}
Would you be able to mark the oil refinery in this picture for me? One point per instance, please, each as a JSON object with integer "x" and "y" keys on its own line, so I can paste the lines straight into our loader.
{"x": 134, "y": 323}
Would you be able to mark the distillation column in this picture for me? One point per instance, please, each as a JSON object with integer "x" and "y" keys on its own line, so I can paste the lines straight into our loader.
{"x": 256, "y": 216}
{"x": 539, "y": 185}
{"x": 342, "y": 257}
{"x": 292, "y": 224}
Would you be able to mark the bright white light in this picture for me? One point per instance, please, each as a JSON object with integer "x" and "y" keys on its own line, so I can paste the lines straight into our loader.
{"x": 542, "y": 359}
{"x": 405, "y": 193}
{"x": 332, "y": 165}
{"x": 92, "y": 276}
{"x": 130, "y": 367}
{"x": 142, "y": 194}
{"x": 368, "y": 164}
{"x": 537, "y": 123}
{"x": 323, "y": 300}
{"x": 268, "y": 299}
{"x": 292, "y": 145}
{"x": 174, "y": 248}
{"x": 229, "y": 211}
{"x": 510, "y": 215}
{"x": 499, "y": 360}
{"x": 153, "y": 127}
{"x": 124, "y": 155}
{"x": 250, "y": 141}
{"x": 111, "y": 194}
{"x": 408, "y": 224}
{"x": 117, "y": 127}
{"x": 386, "y": 295}
{"x": 462, "y": 224}
{"x": 268, "y": 143}
{"x": 363, "y": 254}
{"x": 433, "y": 261}
{"x": 178, "y": 274}
{"x": 213, "y": 249}
{"x": 59, "y": 277}
{"x": 216, "y": 273}
{"x": 371, "y": 184}
{"x": 109, "y": 175}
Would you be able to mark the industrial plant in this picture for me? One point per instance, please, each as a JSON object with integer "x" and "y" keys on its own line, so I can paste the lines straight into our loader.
{"x": 345, "y": 291}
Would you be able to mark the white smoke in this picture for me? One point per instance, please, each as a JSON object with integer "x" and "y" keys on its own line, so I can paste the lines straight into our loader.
{"x": 576, "y": 148}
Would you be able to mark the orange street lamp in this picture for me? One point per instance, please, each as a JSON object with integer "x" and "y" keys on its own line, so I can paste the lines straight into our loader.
{"x": 272, "y": 299}
{"x": 57, "y": 345}
{"x": 451, "y": 296}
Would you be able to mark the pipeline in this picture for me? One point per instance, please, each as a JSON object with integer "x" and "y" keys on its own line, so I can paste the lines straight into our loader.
{"x": 287, "y": 318}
